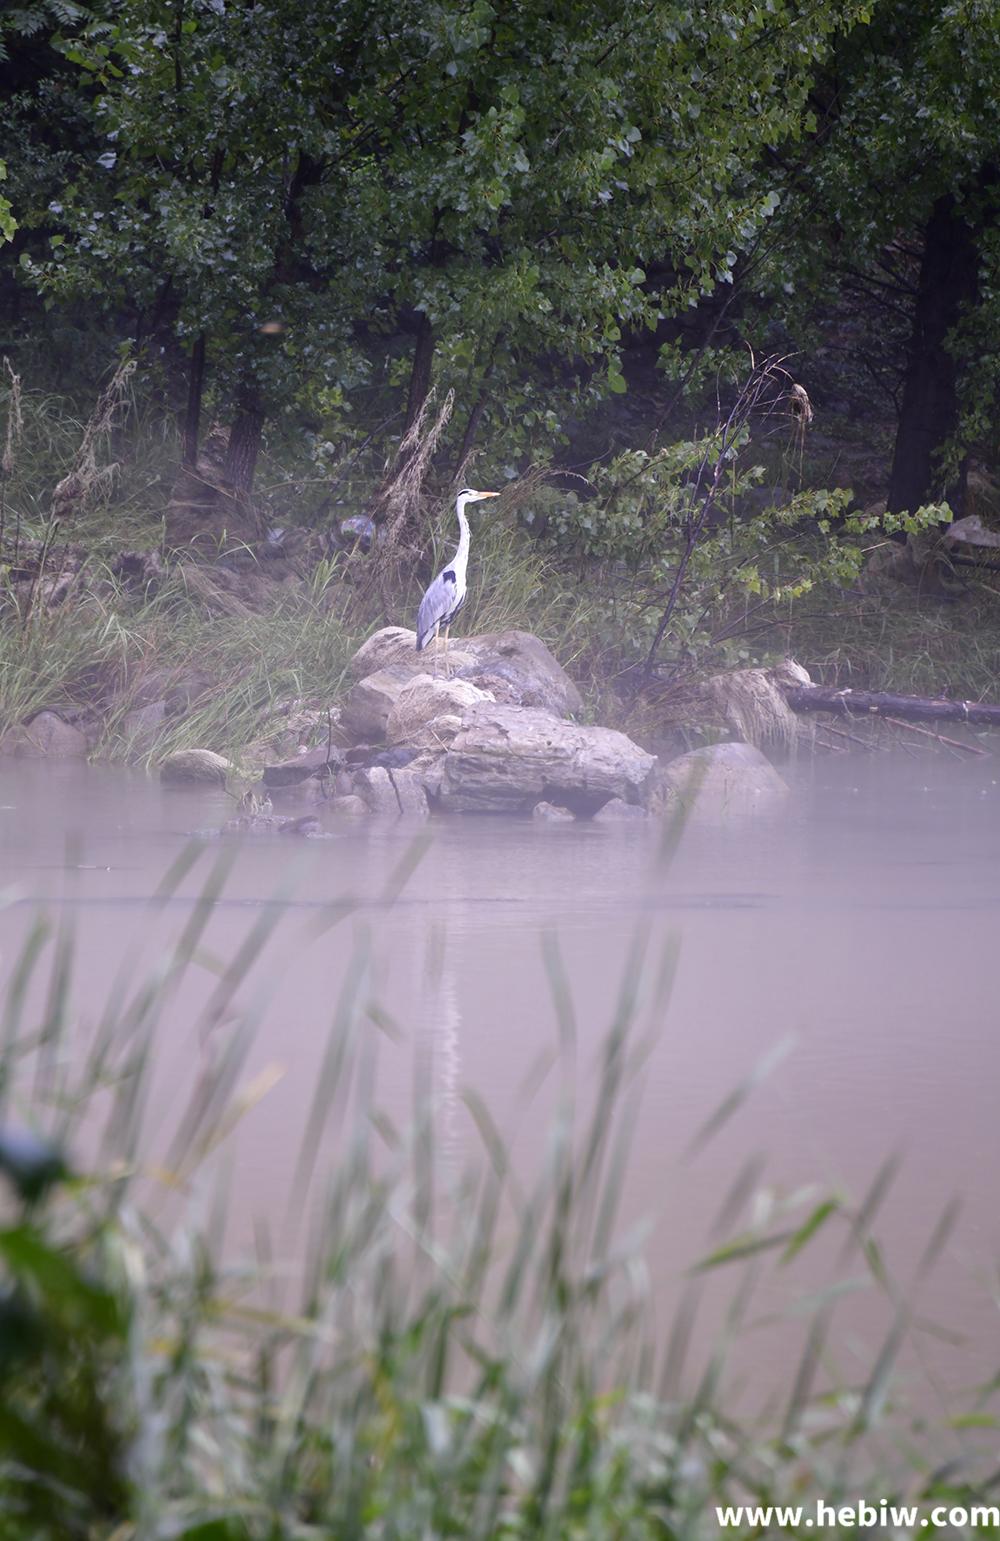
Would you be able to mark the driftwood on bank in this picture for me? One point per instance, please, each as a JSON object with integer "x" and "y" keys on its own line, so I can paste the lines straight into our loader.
{"x": 881, "y": 703}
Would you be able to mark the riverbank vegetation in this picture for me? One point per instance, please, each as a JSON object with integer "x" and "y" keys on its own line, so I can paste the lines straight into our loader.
{"x": 405, "y": 1348}
{"x": 706, "y": 296}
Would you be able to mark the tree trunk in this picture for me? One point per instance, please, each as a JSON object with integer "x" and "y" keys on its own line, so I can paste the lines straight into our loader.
{"x": 192, "y": 414}
{"x": 883, "y": 703}
{"x": 929, "y": 411}
{"x": 244, "y": 443}
{"x": 420, "y": 374}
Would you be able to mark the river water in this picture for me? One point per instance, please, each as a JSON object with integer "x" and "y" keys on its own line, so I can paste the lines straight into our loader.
{"x": 845, "y": 942}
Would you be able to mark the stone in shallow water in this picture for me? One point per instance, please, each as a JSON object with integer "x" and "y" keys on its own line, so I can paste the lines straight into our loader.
{"x": 46, "y": 736}
{"x": 349, "y": 806}
{"x": 315, "y": 762}
{"x": 377, "y": 790}
{"x": 721, "y": 780}
{"x": 548, "y": 813}
{"x": 615, "y": 810}
{"x": 192, "y": 766}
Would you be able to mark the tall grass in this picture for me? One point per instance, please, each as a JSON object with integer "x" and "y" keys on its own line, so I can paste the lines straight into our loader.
{"x": 460, "y": 1357}
{"x": 112, "y": 651}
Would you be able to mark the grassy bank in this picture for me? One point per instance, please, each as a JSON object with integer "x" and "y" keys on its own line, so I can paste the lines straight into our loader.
{"x": 463, "y": 1356}
{"x": 256, "y": 662}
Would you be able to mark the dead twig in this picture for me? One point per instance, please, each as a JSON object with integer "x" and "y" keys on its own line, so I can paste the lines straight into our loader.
{"x": 942, "y": 738}
{"x": 866, "y": 743}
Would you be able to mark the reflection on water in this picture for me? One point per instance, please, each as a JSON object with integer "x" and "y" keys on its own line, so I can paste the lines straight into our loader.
{"x": 861, "y": 923}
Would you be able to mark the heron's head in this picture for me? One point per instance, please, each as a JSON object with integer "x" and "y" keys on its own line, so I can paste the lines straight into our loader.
{"x": 470, "y": 495}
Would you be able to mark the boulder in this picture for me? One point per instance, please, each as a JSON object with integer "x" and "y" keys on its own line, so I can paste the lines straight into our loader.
{"x": 375, "y": 788}
{"x": 615, "y": 810}
{"x": 46, "y": 736}
{"x": 411, "y": 793}
{"x": 195, "y": 766}
{"x": 392, "y": 792}
{"x": 505, "y": 759}
{"x": 389, "y": 759}
{"x": 428, "y": 712}
{"x": 719, "y": 780}
{"x": 548, "y": 813}
{"x": 367, "y": 705}
{"x": 516, "y": 667}
{"x": 391, "y": 645}
{"x": 511, "y": 666}
{"x": 312, "y": 762}
{"x": 349, "y": 806}
{"x": 142, "y": 726}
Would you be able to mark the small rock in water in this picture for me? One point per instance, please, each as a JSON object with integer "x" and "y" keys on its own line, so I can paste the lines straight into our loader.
{"x": 552, "y": 814}
{"x": 376, "y": 788}
{"x": 349, "y": 806}
{"x": 46, "y": 736}
{"x": 615, "y": 809}
{"x": 410, "y": 793}
{"x": 307, "y": 826}
{"x": 315, "y": 762}
{"x": 194, "y": 766}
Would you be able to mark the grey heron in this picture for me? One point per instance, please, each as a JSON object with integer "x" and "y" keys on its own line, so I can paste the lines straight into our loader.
{"x": 446, "y": 595}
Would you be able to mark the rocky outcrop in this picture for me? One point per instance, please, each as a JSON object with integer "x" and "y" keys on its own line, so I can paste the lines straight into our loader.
{"x": 720, "y": 780}
{"x": 366, "y": 707}
{"x": 518, "y": 668}
{"x": 506, "y": 759}
{"x": 509, "y": 666}
{"x": 195, "y": 766}
{"x": 428, "y": 712}
{"x": 46, "y": 736}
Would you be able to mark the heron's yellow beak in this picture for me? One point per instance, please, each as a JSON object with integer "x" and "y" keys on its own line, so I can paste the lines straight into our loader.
{"x": 487, "y": 494}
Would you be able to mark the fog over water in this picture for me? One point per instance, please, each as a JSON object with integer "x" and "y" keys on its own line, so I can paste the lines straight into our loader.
{"x": 851, "y": 940}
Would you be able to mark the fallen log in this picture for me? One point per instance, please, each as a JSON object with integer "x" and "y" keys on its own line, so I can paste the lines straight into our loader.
{"x": 880, "y": 703}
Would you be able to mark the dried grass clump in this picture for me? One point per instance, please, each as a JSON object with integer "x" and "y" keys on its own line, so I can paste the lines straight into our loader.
{"x": 397, "y": 509}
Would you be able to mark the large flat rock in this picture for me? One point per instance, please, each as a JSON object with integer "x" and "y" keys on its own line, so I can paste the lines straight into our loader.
{"x": 506, "y": 759}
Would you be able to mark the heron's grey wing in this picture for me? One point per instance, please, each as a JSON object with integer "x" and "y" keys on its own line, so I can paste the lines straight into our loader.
{"x": 438, "y": 602}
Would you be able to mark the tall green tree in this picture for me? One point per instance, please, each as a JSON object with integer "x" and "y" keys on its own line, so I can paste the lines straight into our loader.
{"x": 896, "y": 198}
{"x": 316, "y": 202}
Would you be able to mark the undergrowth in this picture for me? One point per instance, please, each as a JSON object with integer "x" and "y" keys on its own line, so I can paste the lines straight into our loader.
{"x": 592, "y": 575}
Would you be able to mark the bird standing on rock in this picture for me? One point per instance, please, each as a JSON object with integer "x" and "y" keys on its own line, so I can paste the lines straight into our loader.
{"x": 446, "y": 595}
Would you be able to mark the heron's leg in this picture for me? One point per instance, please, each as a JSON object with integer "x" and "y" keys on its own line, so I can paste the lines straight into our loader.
{"x": 437, "y": 635}
{"x": 447, "y": 660}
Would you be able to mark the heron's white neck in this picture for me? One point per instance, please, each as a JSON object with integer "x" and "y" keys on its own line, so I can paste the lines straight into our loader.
{"x": 461, "y": 558}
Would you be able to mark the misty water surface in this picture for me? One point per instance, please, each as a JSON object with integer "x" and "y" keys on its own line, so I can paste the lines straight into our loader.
{"x": 859, "y": 928}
